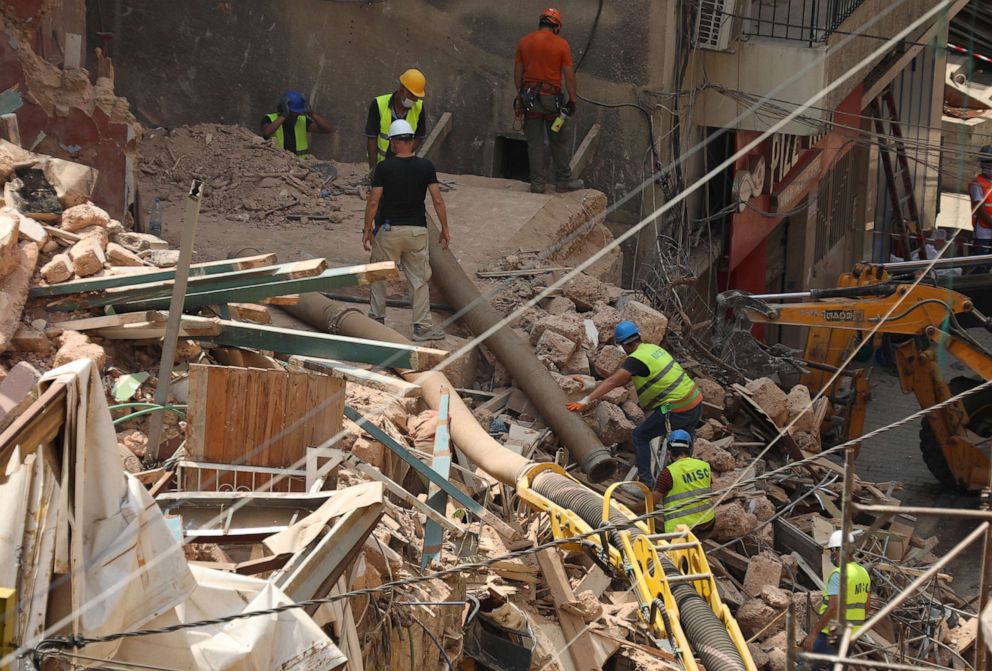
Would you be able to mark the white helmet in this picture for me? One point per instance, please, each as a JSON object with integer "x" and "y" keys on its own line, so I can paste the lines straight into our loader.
{"x": 836, "y": 537}
{"x": 399, "y": 128}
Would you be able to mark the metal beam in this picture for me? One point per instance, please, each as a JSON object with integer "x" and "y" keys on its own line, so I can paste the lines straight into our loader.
{"x": 436, "y": 498}
{"x": 195, "y": 270}
{"x": 290, "y": 341}
{"x": 425, "y": 471}
{"x": 259, "y": 288}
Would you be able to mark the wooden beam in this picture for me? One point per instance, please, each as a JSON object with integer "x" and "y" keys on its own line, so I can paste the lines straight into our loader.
{"x": 9, "y": 129}
{"x": 437, "y": 135}
{"x": 289, "y": 341}
{"x": 577, "y": 639}
{"x": 582, "y": 155}
{"x": 366, "y": 378}
{"x": 436, "y": 498}
{"x": 425, "y": 471}
{"x": 196, "y": 270}
{"x": 189, "y": 327}
{"x": 329, "y": 279}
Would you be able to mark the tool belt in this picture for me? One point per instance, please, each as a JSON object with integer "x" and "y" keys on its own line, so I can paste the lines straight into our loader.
{"x": 527, "y": 97}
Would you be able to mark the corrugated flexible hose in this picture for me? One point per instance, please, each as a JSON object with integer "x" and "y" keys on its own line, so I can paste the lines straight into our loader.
{"x": 703, "y": 629}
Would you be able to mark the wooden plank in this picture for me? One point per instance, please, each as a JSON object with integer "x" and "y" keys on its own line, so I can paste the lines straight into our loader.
{"x": 297, "y": 409}
{"x": 102, "y": 283}
{"x": 322, "y": 345}
{"x": 250, "y": 312}
{"x": 253, "y": 442}
{"x": 234, "y": 450}
{"x": 107, "y": 321}
{"x": 584, "y": 154}
{"x": 334, "y": 415}
{"x": 196, "y": 412}
{"x": 277, "y": 384}
{"x": 215, "y": 382}
{"x": 437, "y": 135}
{"x": 261, "y": 288}
{"x": 189, "y": 327}
{"x": 790, "y": 538}
{"x": 578, "y": 640}
{"x": 366, "y": 378}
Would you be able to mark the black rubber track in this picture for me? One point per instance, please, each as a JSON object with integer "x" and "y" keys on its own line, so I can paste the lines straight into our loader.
{"x": 981, "y": 423}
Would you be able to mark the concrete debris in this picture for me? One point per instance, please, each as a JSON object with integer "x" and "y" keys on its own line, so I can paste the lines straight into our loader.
{"x": 609, "y": 360}
{"x": 771, "y": 398}
{"x": 58, "y": 269}
{"x": 800, "y": 409}
{"x": 762, "y": 571}
{"x": 119, "y": 255}
{"x": 611, "y": 424}
{"x": 585, "y": 291}
{"x": 653, "y": 324}
{"x": 75, "y": 346}
{"x": 9, "y": 236}
{"x": 554, "y": 350}
{"x": 83, "y": 216}
{"x": 87, "y": 257}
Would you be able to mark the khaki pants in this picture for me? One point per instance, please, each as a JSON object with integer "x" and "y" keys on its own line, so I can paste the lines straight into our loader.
{"x": 408, "y": 245}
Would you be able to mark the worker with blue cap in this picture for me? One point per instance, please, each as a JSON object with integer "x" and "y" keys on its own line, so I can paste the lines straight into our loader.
{"x": 292, "y": 122}
{"x": 669, "y": 397}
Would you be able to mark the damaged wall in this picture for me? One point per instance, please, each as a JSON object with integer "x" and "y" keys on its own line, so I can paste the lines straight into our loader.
{"x": 189, "y": 62}
{"x": 63, "y": 114}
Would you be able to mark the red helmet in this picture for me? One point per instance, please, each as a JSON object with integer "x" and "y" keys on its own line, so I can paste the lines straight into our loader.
{"x": 552, "y": 15}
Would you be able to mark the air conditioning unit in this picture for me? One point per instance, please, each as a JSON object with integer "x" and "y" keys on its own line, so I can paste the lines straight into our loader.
{"x": 718, "y": 23}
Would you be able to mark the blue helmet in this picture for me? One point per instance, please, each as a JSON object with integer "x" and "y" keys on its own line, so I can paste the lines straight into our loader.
{"x": 624, "y": 331}
{"x": 680, "y": 437}
{"x": 295, "y": 102}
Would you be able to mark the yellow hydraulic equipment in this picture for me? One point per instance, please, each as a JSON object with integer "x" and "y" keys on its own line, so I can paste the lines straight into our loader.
{"x": 668, "y": 572}
{"x": 923, "y": 322}
{"x": 7, "y": 622}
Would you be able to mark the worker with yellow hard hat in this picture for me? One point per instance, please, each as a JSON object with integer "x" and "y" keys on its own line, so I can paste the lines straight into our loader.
{"x": 406, "y": 103}
{"x": 857, "y": 599}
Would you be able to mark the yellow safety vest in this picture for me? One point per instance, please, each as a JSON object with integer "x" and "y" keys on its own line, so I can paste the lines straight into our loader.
{"x": 665, "y": 382}
{"x": 300, "y": 130}
{"x": 386, "y": 118}
{"x": 688, "y": 502}
{"x": 858, "y": 588}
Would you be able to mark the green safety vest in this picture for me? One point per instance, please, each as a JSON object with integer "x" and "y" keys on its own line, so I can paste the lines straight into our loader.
{"x": 858, "y": 589}
{"x": 386, "y": 118}
{"x": 665, "y": 383}
{"x": 302, "y": 142}
{"x": 688, "y": 502}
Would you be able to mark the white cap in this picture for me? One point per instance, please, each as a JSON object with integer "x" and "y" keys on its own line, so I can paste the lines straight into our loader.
{"x": 399, "y": 128}
{"x": 836, "y": 537}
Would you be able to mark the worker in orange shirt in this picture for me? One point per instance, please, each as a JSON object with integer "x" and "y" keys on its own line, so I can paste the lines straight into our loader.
{"x": 543, "y": 59}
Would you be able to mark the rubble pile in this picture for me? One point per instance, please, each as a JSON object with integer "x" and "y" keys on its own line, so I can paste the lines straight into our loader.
{"x": 246, "y": 176}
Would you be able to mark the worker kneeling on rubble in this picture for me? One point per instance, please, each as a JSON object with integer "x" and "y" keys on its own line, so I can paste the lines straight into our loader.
{"x": 291, "y": 123}
{"x": 683, "y": 489}
{"x": 396, "y": 226}
{"x": 668, "y": 396}
{"x": 857, "y": 600}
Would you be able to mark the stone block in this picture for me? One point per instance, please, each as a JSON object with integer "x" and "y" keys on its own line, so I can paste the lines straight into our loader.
{"x": 758, "y": 656}
{"x": 712, "y": 391}
{"x": 608, "y": 360}
{"x": 122, "y": 256}
{"x": 762, "y": 570}
{"x": 776, "y": 597}
{"x": 585, "y": 291}
{"x": 135, "y": 441}
{"x": 761, "y": 507}
{"x": 87, "y": 257}
{"x": 555, "y": 349}
{"x": 188, "y": 350}
{"x": 578, "y": 364}
{"x": 732, "y": 521}
{"x": 77, "y": 346}
{"x": 59, "y": 269}
{"x": 719, "y": 459}
{"x": 611, "y": 424}
{"x": 633, "y": 411}
{"x": 559, "y": 305}
{"x": 653, "y": 324}
{"x": 139, "y": 242}
{"x": 461, "y": 371}
{"x": 754, "y": 615}
{"x": 129, "y": 462}
{"x": 28, "y": 229}
{"x": 606, "y": 318}
{"x": 31, "y": 340}
{"x": 568, "y": 325}
{"x": 808, "y": 442}
{"x": 370, "y": 451}
{"x": 9, "y": 234}
{"x": 800, "y": 409}
{"x": 98, "y": 233}
{"x": 771, "y": 399}
{"x": 14, "y": 292}
{"x": 162, "y": 258}
{"x": 574, "y": 388}
{"x": 82, "y": 216}
{"x": 616, "y": 396}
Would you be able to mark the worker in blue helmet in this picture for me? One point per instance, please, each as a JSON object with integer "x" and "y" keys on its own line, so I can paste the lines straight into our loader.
{"x": 683, "y": 489}
{"x": 668, "y": 396}
{"x": 292, "y": 123}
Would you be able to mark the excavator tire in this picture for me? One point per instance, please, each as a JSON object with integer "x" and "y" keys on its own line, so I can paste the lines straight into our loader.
{"x": 979, "y": 408}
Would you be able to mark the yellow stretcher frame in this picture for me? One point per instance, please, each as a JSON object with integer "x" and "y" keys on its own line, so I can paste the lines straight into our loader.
{"x": 640, "y": 562}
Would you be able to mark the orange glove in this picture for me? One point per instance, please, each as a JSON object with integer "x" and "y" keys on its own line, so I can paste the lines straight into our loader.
{"x": 578, "y": 406}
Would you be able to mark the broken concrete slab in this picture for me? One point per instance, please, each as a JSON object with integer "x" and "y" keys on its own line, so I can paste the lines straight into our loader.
{"x": 605, "y": 318}
{"x": 611, "y": 424}
{"x": 555, "y": 349}
{"x": 719, "y": 459}
{"x": 26, "y": 339}
{"x": 14, "y": 292}
{"x": 712, "y": 392}
{"x": 122, "y": 256}
{"x": 568, "y": 325}
{"x": 800, "y": 409}
{"x": 762, "y": 571}
{"x": 577, "y": 364}
{"x": 75, "y": 346}
{"x": 559, "y": 305}
{"x": 585, "y": 291}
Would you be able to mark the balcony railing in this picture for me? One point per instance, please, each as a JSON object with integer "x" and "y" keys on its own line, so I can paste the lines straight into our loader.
{"x": 809, "y": 21}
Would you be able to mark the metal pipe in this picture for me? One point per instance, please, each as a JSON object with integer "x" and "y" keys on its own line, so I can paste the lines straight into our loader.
{"x": 472, "y": 439}
{"x": 919, "y": 510}
{"x": 922, "y": 578}
{"x": 876, "y": 664}
{"x": 528, "y": 373}
{"x": 949, "y": 262}
{"x": 390, "y": 302}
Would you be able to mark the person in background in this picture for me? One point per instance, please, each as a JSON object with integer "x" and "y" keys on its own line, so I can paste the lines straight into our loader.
{"x": 406, "y": 103}
{"x": 292, "y": 123}
{"x": 980, "y": 190}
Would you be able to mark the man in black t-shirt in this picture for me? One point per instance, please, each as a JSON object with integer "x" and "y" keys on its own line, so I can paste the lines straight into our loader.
{"x": 396, "y": 226}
